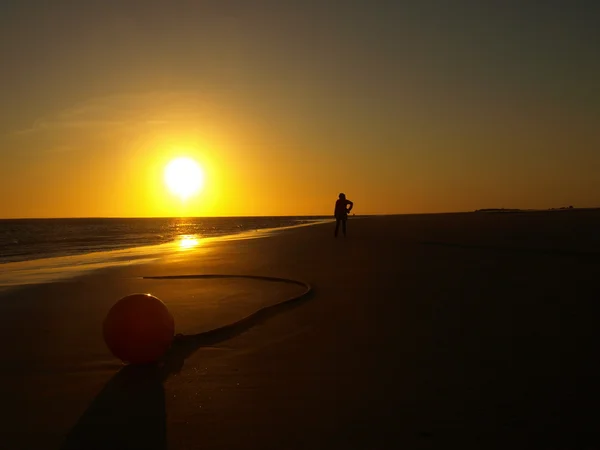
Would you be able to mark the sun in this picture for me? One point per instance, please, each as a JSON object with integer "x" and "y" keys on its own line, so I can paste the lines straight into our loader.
{"x": 184, "y": 177}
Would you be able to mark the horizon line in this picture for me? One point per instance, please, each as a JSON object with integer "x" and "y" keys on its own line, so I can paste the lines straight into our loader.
{"x": 224, "y": 217}
{"x": 301, "y": 215}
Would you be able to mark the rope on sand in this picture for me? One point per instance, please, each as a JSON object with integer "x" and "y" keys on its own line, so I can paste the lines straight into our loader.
{"x": 249, "y": 320}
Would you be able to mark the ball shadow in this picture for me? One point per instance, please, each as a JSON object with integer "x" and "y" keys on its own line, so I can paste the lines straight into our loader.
{"x": 130, "y": 411}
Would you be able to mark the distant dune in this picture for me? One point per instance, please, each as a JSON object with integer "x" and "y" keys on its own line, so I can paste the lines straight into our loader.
{"x": 515, "y": 210}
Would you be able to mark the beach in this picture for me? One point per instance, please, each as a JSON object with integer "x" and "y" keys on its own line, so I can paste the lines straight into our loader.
{"x": 421, "y": 331}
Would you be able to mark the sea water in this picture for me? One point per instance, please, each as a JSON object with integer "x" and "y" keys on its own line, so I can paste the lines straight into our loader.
{"x": 39, "y": 250}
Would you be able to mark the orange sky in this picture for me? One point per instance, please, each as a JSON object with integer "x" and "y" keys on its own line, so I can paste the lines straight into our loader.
{"x": 285, "y": 107}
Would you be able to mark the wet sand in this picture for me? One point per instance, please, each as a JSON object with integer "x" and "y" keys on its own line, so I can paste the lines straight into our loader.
{"x": 426, "y": 331}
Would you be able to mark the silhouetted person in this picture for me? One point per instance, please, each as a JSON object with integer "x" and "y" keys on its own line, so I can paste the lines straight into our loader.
{"x": 341, "y": 213}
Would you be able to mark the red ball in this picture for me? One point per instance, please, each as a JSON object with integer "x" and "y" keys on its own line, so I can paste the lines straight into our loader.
{"x": 139, "y": 329}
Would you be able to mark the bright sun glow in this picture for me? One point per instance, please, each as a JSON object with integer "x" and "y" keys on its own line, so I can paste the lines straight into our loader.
{"x": 187, "y": 242}
{"x": 184, "y": 177}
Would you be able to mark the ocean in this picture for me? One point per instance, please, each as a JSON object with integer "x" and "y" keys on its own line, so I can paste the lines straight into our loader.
{"x": 27, "y": 239}
{"x": 42, "y": 250}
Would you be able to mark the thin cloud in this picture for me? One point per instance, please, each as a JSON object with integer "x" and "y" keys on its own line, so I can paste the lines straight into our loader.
{"x": 115, "y": 111}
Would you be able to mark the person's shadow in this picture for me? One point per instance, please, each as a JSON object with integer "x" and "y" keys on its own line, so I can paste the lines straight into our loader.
{"x": 129, "y": 412}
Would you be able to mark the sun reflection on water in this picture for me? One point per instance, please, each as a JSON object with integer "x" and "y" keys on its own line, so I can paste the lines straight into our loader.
{"x": 188, "y": 241}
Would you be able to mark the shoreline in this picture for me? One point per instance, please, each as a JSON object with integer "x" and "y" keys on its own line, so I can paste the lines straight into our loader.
{"x": 22, "y": 240}
{"x": 45, "y": 270}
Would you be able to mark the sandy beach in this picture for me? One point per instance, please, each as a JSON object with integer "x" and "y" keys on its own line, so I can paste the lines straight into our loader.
{"x": 422, "y": 331}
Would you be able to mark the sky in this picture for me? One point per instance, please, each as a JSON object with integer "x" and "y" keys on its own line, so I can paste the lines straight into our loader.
{"x": 406, "y": 106}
